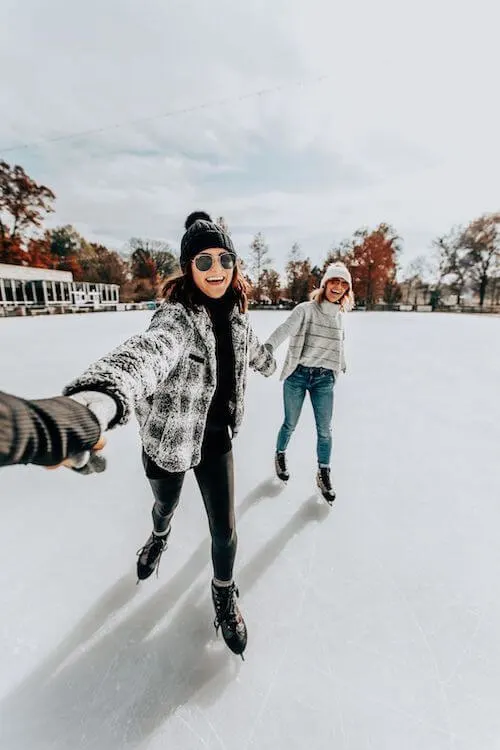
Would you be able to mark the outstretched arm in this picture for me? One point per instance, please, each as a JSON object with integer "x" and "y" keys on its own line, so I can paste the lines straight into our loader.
{"x": 133, "y": 370}
{"x": 44, "y": 431}
{"x": 290, "y": 326}
{"x": 261, "y": 357}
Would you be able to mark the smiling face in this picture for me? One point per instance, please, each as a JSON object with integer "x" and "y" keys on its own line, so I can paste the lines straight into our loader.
{"x": 335, "y": 289}
{"x": 215, "y": 281}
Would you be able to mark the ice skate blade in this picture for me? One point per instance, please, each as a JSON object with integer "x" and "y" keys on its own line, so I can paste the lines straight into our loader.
{"x": 281, "y": 478}
{"x": 220, "y": 640}
{"x": 326, "y": 498}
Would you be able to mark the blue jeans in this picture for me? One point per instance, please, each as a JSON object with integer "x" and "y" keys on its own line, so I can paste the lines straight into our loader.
{"x": 319, "y": 382}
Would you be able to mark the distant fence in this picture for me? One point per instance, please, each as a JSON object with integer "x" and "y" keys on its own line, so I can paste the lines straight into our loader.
{"x": 486, "y": 309}
{"x": 31, "y": 310}
{"x": 61, "y": 309}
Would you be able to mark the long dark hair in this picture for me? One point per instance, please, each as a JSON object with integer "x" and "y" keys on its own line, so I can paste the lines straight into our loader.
{"x": 181, "y": 288}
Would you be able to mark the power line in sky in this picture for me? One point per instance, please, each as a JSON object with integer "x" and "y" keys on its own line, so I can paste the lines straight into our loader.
{"x": 165, "y": 115}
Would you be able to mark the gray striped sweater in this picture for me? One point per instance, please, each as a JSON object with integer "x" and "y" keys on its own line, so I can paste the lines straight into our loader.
{"x": 316, "y": 334}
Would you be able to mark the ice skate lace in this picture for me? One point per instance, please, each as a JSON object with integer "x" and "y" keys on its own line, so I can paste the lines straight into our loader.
{"x": 225, "y": 607}
{"x": 324, "y": 477}
{"x": 154, "y": 545}
{"x": 280, "y": 458}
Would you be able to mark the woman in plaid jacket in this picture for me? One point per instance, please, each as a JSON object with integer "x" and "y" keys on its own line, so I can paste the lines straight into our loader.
{"x": 185, "y": 377}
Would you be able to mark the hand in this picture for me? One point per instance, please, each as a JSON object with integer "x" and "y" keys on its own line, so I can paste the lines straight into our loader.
{"x": 101, "y": 404}
{"x": 88, "y": 462}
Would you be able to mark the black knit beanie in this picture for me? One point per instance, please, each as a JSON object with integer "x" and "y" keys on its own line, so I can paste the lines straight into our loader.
{"x": 201, "y": 234}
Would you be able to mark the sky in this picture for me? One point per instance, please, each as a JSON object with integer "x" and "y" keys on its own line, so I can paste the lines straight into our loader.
{"x": 367, "y": 113}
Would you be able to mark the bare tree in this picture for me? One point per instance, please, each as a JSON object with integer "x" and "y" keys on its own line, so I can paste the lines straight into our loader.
{"x": 270, "y": 285}
{"x": 341, "y": 251}
{"x": 481, "y": 240}
{"x": 451, "y": 261}
{"x": 152, "y": 253}
{"x": 223, "y": 224}
{"x": 259, "y": 262}
{"x": 413, "y": 279}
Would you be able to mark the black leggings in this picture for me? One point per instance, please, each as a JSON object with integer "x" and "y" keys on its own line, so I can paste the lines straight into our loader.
{"x": 214, "y": 475}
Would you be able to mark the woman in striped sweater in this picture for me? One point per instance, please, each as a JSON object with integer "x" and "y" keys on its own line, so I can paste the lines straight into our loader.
{"x": 314, "y": 359}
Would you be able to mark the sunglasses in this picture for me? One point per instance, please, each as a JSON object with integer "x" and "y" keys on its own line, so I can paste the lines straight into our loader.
{"x": 205, "y": 261}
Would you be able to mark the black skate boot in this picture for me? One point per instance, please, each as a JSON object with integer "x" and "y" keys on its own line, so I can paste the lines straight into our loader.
{"x": 324, "y": 483}
{"x": 228, "y": 617}
{"x": 281, "y": 467}
{"x": 148, "y": 557}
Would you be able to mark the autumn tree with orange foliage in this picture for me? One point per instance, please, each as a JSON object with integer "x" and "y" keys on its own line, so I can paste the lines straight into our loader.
{"x": 372, "y": 259}
{"x": 151, "y": 263}
{"x": 23, "y": 204}
{"x": 11, "y": 252}
{"x": 108, "y": 267}
{"x": 38, "y": 253}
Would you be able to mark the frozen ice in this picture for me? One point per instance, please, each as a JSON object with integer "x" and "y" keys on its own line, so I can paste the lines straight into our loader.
{"x": 372, "y": 624}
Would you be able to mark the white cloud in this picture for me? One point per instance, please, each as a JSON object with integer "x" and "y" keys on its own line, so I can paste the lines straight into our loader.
{"x": 403, "y": 128}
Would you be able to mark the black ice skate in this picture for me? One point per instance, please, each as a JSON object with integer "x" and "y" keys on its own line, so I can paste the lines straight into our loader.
{"x": 229, "y": 618}
{"x": 281, "y": 467}
{"x": 149, "y": 556}
{"x": 324, "y": 483}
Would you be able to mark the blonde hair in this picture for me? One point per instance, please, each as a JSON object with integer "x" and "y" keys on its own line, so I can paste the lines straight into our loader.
{"x": 346, "y": 302}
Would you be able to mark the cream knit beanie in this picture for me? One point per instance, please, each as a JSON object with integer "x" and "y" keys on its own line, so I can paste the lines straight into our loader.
{"x": 336, "y": 271}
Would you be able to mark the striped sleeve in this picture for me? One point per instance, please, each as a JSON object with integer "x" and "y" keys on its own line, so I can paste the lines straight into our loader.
{"x": 290, "y": 326}
{"x": 44, "y": 431}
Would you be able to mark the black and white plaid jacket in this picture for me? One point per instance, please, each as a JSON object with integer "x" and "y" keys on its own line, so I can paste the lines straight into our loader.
{"x": 168, "y": 375}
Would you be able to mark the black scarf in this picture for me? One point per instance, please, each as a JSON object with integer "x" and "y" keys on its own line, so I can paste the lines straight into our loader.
{"x": 219, "y": 311}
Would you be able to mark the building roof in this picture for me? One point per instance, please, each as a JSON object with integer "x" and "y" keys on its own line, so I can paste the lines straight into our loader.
{"x": 27, "y": 273}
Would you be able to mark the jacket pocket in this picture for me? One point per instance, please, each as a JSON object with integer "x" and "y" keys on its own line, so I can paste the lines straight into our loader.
{"x": 197, "y": 358}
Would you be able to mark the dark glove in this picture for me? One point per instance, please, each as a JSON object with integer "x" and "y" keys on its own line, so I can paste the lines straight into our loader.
{"x": 87, "y": 462}
{"x": 96, "y": 464}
